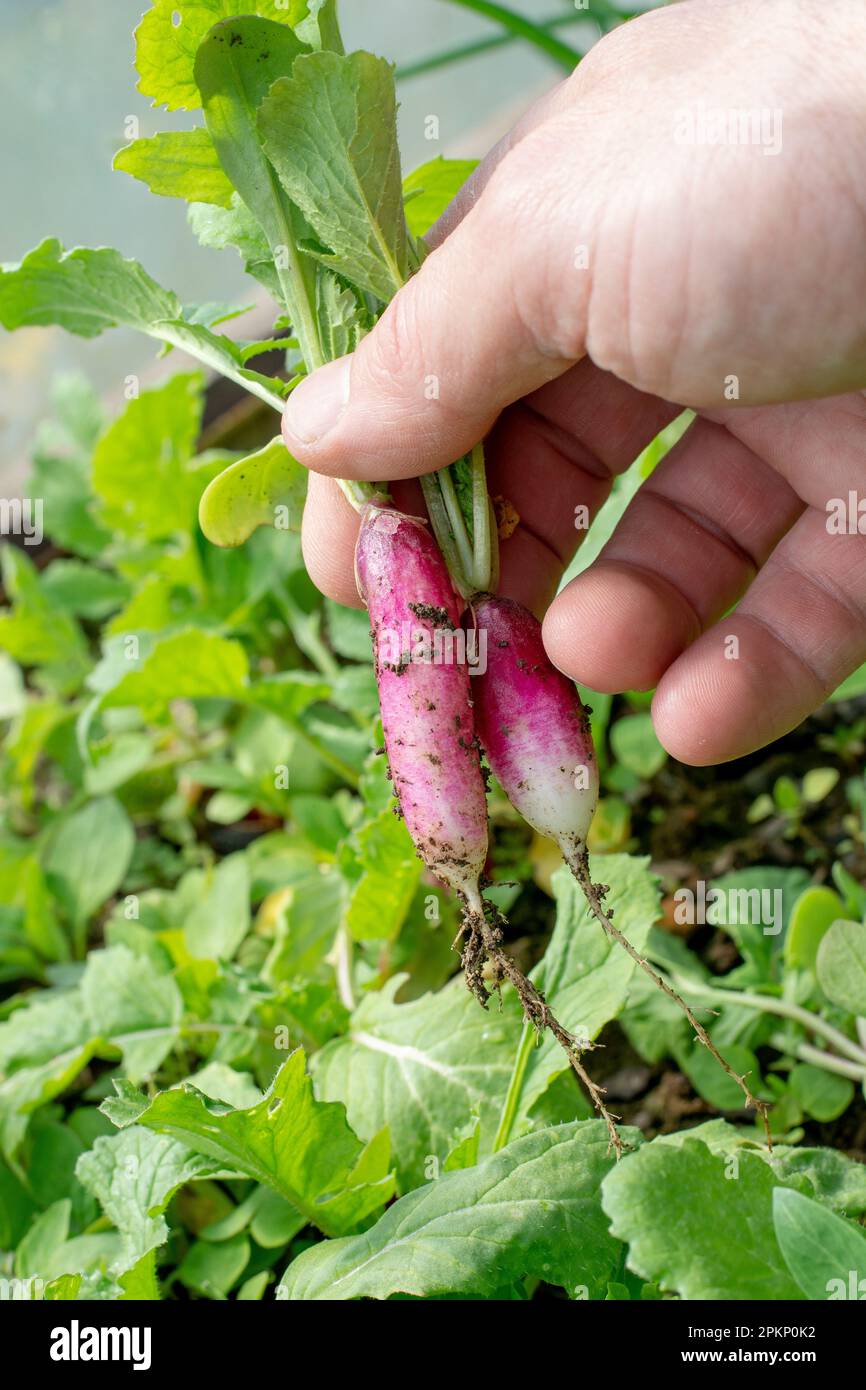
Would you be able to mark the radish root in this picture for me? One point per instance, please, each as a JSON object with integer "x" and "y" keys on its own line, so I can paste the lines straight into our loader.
{"x": 595, "y": 893}
{"x": 483, "y": 946}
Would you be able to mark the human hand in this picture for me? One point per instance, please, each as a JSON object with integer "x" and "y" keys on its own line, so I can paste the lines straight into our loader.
{"x": 597, "y": 270}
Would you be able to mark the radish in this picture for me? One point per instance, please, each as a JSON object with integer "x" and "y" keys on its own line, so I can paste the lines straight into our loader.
{"x": 533, "y": 728}
{"x": 425, "y": 701}
{"x": 536, "y": 735}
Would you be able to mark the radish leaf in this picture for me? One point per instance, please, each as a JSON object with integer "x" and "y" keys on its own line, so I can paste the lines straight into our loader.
{"x": 429, "y": 189}
{"x": 165, "y": 49}
{"x": 330, "y": 131}
{"x": 249, "y": 492}
{"x": 532, "y": 1209}
{"x": 826, "y": 1255}
{"x": 290, "y": 1141}
{"x": 696, "y": 1227}
{"x": 178, "y": 164}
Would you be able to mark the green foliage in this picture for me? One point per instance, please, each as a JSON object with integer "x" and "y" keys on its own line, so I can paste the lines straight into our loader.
{"x": 229, "y": 1029}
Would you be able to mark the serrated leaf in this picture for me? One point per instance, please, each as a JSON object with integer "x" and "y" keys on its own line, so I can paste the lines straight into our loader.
{"x": 141, "y": 464}
{"x": 87, "y": 291}
{"x": 165, "y": 50}
{"x": 84, "y": 291}
{"x": 235, "y": 66}
{"x": 178, "y": 164}
{"x": 133, "y": 1175}
{"x": 249, "y": 493}
{"x": 186, "y": 665}
{"x": 532, "y": 1209}
{"x": 330, "y": 131}
{"x": 342, "y": 316}
{"x": 696, "y": 1225}
{"x": 298, "y": 1146}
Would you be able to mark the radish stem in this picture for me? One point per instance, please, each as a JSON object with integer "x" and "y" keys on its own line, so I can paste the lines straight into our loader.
{"x": 483, "y": 534}
{"x": 458, "y": 525}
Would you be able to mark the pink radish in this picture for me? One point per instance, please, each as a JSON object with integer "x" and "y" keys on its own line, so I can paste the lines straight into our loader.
{"x": 536, "y": 735}
{"x": 533, "y": 728}
{"x": 426, "y": 705}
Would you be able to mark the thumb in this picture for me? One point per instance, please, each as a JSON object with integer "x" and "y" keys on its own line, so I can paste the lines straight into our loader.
{"x": 462, "y": 340}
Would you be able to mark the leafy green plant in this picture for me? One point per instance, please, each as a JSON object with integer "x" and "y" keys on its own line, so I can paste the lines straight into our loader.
{"x": 234, "y": 1063}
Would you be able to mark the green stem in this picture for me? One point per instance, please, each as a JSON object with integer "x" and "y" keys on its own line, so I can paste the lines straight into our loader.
{"x": 515, "y": 1086}
{"x": 217, "y": 363}
{"x": 482, "y": 531}
{"x": 818, "y": 1058}
{"x": 473, "y": 50}
{"x": 439, "y": 520}
{"x": 523, "y": 28}
{"x": 766, "y": 1003}
{"x": 457, "y": 523}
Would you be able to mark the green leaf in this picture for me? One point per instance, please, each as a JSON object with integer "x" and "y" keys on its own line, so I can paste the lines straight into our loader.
{"x": 165, "y": 50}
{"x": 235, "y": 67}
{"x": 220, "y": 920}
{"x": 330, "y": 131}
{"x": 141, "y": 465}
{"x": 634, "y": 743}
{"x": 532, "y": 1209}
{"x": 123, "y": 1006}
{"x": 178, "y": 164}
{"x": 34, "y": 632}
{"x": 698, "y": 1224}
{"x": 187, "y": 665}
{"x": 87, "y": 291}
{"x": 83, "y": 291}
{"x": 714, "y": 1084}
{"x": 841, "y": 966}
{"x": 300, "y": 1147}
{"x": 420, "y": 1068}
{"x": 760, "y": 900}
{"x": 812, "y": 915}
{"x": 585, "y": 976}
{"x": 88, "y": 857}
{"x": 82, "y": 590}
{"x": 823, "y": 1095}
{"x": 825, "y": 1254}
{"x": 212, "y": 1270}
{"x": 48, "y": 1232}
{"x": 127, "y": 1000}
{"x": 343, "y": 317}
{"x": 259, "y": 490}
{"x": 429, "y": 189}
{"x": 133, "y": 1175}
{"x": 391, "y": 871}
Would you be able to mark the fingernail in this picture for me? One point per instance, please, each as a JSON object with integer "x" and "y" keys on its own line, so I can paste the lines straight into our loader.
{"x": 315, "y": 407}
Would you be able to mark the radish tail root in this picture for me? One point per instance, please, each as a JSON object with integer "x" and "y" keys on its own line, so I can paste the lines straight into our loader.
{"x": 577, "y": 859}
{"x": 481, "y": 935}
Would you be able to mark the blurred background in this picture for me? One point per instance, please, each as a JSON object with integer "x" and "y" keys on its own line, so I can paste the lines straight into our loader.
{"x": 67, "y": 92}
